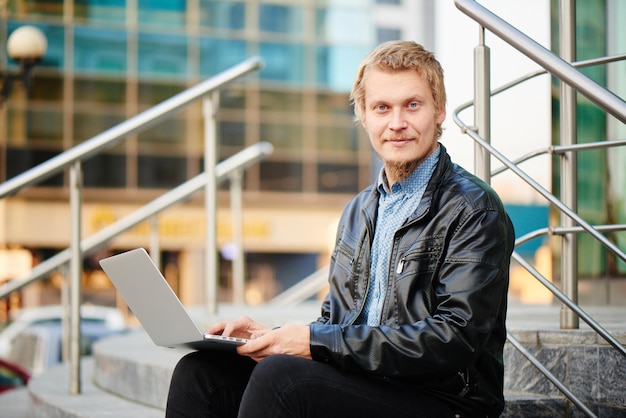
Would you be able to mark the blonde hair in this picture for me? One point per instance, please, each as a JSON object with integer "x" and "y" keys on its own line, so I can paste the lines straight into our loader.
{"x": 400, "y": 56}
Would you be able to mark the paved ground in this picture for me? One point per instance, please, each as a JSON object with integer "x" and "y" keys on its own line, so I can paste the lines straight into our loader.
{"x": 15, "y": 404}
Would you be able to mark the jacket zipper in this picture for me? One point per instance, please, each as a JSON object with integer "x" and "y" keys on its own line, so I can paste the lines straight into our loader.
{"x": 400, "y": 266}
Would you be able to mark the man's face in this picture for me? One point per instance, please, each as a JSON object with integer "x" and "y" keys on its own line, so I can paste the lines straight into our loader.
{"x": 400, "y": 119}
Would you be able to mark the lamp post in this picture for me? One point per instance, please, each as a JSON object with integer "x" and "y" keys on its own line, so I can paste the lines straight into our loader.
{"x": 26, "y": 45}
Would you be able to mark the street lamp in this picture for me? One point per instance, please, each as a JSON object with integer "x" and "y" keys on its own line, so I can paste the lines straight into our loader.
{"x": 26, "y": 45}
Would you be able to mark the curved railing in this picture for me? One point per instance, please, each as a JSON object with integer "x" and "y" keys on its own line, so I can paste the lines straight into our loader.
{"x": 569, "y": 75}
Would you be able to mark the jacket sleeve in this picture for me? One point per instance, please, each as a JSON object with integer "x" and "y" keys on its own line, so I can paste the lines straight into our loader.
{"x": 468, "y": 292}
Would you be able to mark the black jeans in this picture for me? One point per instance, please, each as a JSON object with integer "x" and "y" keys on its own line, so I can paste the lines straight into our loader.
{"x": 220, "y": 384}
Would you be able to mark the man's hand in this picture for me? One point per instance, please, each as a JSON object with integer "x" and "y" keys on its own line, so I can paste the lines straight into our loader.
{"x": 289, "y": 339}
{"x": 242, "y": 327}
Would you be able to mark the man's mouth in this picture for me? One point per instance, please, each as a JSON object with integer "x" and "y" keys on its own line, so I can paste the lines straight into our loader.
{"x": 398, "y": 140}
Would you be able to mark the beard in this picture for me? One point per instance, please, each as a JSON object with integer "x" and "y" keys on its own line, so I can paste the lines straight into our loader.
{"x": 400, "y": 170}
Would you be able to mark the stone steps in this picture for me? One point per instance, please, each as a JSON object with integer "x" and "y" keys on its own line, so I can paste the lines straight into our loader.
{"x": 129, "y": 376}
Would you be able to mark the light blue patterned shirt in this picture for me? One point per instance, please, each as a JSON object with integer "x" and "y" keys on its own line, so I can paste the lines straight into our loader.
{"x": 395, "y": 205}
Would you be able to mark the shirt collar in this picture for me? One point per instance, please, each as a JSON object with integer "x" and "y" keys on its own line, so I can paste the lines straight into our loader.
{"x": 418, "y": 178}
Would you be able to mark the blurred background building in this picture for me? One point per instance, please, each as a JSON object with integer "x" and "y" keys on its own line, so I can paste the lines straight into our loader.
{"x": 109, "y": 60}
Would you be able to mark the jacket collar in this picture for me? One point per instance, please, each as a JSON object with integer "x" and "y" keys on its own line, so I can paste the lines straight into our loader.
{"x": 442, "y": 171}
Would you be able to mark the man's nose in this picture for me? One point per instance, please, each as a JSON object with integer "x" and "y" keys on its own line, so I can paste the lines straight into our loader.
{"x": 398, "y": 120}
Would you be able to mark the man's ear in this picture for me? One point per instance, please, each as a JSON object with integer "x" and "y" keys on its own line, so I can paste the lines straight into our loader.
{"x": 441, "y": 116}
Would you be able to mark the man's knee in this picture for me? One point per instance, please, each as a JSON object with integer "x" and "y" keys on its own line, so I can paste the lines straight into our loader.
{"x": 188, "y": 366}
{"x": 280, "y": 365}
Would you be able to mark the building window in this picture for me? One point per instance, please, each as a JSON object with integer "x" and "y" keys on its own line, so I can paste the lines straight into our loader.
{"x": 105, "y": 170}
{"x": 338, "y": 178}
{"x": 387, "y": 34}
{"x": 100, "y": 10}
{"x": 281, "y": 176}
{"x": 36, "y": 7}
{"x": 223, "y": 14}
{"x": 155, "y": 12}
{"x": 217, "y": 55}
{"x": 162, "y": 55}
{"x": 161, "y": 172}
{"x": 283, "y": 62}
{"x": 108, "y": 57}
{"x": 280, "y": 19}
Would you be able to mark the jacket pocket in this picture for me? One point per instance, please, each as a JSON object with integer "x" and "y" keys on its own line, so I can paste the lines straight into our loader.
{"x": 345, "y": 270}
{"x": 421, "y": 257}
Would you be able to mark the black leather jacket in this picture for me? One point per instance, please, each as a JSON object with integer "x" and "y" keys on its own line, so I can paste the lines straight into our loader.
{"x": 445, "y": 305}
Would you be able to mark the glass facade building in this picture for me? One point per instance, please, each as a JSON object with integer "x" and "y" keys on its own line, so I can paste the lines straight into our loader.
{"x": 601, "y": 172}
{"x": 109, "y": 60}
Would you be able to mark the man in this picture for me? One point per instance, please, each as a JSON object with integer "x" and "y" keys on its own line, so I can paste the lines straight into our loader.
{"x": 414, "y": 322}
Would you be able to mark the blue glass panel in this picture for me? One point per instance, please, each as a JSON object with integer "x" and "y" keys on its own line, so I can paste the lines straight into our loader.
{"x": 321, "y": 63}
{"x": 172, "y": 5}
{"x": 528, "y": 218}
{"x": 217, "y": 55}
{"x": 337, "y": 65}
{"x": 99, "y": 50}
{"x": 54, "y": 55}
{"x": 280, "y": 19}
{"x": 345, "y": 25}
{"x": 223, "y": 14}
{"x": 282, "y": 61}
{"x": 162, "y": 12}
{"x": 162, "y": 54}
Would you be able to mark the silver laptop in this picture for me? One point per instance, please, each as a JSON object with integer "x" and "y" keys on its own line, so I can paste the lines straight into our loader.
{"x": 155, "y": 304}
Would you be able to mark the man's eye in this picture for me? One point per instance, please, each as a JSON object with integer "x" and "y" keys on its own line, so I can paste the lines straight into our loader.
{"x": 381, "y": 107}
{"x": 414, "y": 105}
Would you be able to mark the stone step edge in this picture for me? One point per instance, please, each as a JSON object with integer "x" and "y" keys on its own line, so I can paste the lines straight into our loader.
{"x": 141, "y": 372}
{"x": 50, "y": 397}
{"x": 133, "y": 367}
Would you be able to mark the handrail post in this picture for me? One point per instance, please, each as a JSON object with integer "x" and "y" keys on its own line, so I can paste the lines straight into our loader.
{"x": 569, "y": 175}
{"x": 482, "y": 108}
{"x": 210, "y": 105}
{"x": 76, "y": 260}
{"x": 236, "y": 190}
{"x": 155, "y": 241}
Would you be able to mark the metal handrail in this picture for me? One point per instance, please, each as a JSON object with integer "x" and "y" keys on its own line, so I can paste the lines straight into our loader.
{"x": 570, "y": 304}
{"x": 242, "y": 159}
{"x": 553, "y": 149}
{"x": 302, "y": 290}
{"x": 560, "y": 230}
{"x": 135, "y": 124}
{"x": 540, "y": 189}
{"x": 558, "y": 67}
{"x": 577, "y": 64}
{"x": 606, "y": 100}
{"x": 548, "y": 374}
{"x": 561, "y": 149}
{"x": 208, "y": 92}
